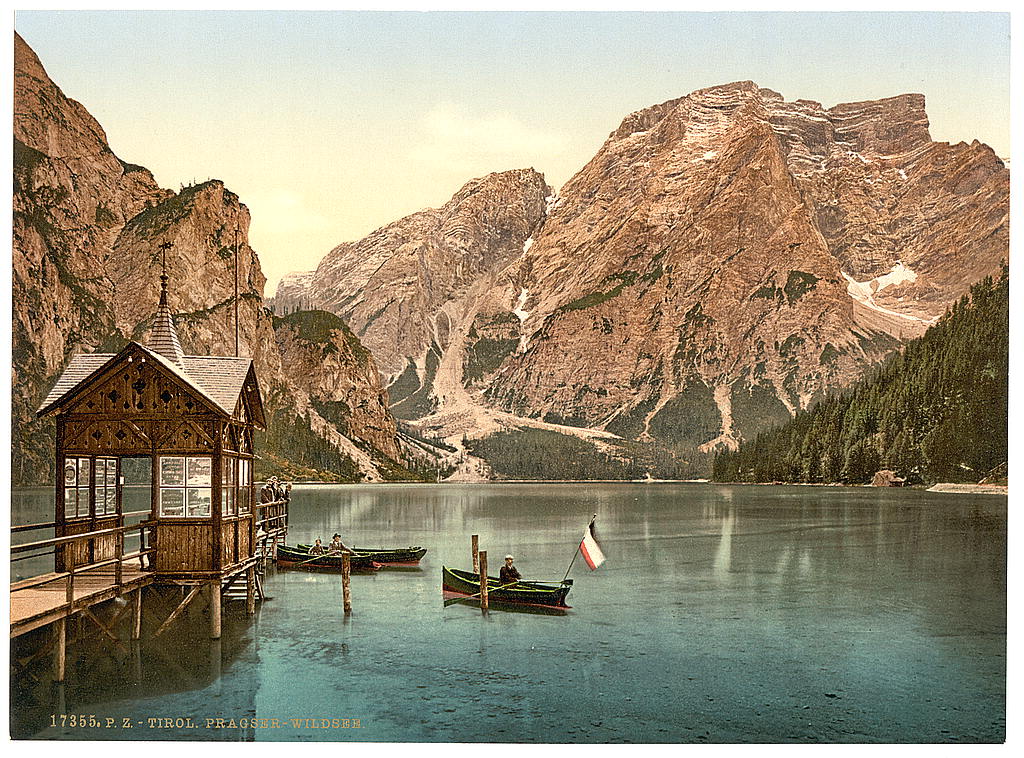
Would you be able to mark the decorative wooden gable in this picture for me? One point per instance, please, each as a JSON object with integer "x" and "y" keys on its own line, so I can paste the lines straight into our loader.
{"x": 188, "y": 436}
{"x": 249, "y": 409}
{"x": 237, "y": 438}
{"x": 136, "y": 384}
{"x": 105, "y": 437}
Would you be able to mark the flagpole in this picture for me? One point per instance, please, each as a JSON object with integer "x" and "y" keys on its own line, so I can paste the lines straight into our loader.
{"x": 592, "y": 519}
{"x": 236, "y": 289}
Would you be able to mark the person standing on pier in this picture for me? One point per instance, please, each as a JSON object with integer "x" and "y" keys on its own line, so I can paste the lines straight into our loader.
{"x": 509, "y": 573}
{"x": 268, "y": 492}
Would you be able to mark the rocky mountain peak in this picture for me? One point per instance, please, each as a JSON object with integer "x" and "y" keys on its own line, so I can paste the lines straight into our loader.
{"x": 724, "y": 259}
{"x": 891, "y": 126}
{"x": 46, "y": 120}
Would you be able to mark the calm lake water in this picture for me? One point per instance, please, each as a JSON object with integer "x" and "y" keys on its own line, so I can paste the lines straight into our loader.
{"x": 723, "y": 614}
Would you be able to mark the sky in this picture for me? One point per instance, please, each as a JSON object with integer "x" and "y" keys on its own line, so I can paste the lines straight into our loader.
{"x": 329, "y": 125}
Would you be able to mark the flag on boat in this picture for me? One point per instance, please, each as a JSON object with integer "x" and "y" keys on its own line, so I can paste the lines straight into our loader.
{"x": 591, "y": 548}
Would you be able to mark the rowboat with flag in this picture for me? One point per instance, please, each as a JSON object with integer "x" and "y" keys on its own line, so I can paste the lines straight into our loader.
{"x": 519, "y": 593}
{"x": 295, "y": 557}
{"x": 537, "y": 594}
{"x": 399, "y": 556}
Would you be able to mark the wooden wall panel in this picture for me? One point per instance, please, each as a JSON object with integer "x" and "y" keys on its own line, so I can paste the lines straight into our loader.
{"x": 77, "y": 550}
{"x": 105, "y": 547}
{"x": 236, "y": 532}
{"x": 184, "y": 546}
{"x": 244, "y": 546}
{"x": 227, "y": 543}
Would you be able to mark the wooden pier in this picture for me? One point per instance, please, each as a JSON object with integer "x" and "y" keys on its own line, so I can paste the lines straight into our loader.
{"x": 53, "y": 598}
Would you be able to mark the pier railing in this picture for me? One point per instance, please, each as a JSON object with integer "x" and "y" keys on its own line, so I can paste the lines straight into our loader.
{"x": 272, "y": 517}
{"x": 115, "y": 558}
{"x": 69, "y": 546}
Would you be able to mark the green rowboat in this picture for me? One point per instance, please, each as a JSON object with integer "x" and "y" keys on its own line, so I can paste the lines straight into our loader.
{"x": 388, "y": 556}
{"x": 295, "y": 557}
{"x": 520, "y": 593}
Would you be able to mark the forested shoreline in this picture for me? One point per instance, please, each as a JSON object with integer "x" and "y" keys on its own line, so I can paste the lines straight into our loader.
{"x": 935, "y": 412}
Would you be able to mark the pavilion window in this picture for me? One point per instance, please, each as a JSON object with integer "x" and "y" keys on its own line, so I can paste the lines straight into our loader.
{"x": 106, "y": 486}
{"x": 244, "y": 482}
{"x": 229, "y": 486}
{"x": 76, "y": 487}
{"x": 186, "y": 486}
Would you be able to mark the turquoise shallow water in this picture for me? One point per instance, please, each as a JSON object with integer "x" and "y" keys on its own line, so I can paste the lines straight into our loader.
{"x": 723, "y": 614}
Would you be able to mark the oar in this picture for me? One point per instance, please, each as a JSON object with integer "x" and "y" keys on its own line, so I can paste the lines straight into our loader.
{"x": 470, "y": 597}
{"x": 316, "y": 558}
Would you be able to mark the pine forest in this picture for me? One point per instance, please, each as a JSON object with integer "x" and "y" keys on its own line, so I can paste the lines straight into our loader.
{"x": 935, "y": 412}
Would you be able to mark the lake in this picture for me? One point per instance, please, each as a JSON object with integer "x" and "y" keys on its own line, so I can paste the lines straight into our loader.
{"x": 723, "y": 614}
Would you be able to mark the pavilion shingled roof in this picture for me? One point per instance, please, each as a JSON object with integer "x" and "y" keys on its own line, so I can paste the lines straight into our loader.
{"x": 219, "y": 379}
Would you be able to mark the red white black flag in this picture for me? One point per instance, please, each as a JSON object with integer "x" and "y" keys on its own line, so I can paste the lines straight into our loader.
{"x": 591, "y": 548}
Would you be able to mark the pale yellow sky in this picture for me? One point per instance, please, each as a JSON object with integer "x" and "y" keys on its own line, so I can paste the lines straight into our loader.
{"x": 329, "y": 125}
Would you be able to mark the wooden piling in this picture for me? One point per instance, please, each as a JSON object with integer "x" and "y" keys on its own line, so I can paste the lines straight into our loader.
{"x": 475, "y": 539}
{"x": 483, "y": 579}
{"x": 137, "y": 614}
{"x": 215, "y": 667}
{"x": 250, "y": 591}
{"x": 346, "y": 580}
{"x": 214, "y": 590}
{"x": 60, "y": 628}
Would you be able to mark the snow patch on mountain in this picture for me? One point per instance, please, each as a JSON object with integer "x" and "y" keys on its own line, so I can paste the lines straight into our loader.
{"x": 522, "y": 315}
{"x": 864, "y": 292}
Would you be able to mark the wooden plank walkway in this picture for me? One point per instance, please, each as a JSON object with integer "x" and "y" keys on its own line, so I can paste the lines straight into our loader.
{"x": 33, "y": 607}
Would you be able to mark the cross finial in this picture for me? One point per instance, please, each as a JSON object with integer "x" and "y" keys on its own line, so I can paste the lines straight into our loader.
{"x": 164, "y": 247}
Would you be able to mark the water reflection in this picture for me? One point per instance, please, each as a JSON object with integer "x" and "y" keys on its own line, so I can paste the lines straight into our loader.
{"x": 452, "y": 599}
{"x": 724, "y": 613}
{"x": 723, "y": 556}
{"x": 118, "y": 680}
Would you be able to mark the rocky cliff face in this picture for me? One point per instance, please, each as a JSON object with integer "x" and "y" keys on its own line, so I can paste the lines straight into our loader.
{"x": 746, "y": 254}
{"x": 341, "y": 379}
{"x": 86, "y": 227}
{"x": 722, "y": 261}
{"x": 402, "y": 288}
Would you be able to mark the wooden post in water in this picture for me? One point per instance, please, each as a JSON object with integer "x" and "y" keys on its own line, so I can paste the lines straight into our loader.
{"x": 214, "y": 589}
{"x": 60, "y": 628}
{"x": 137, "y": 615}
{"x": 483, "y": 579}
{"x": 346, "y": 580}
{"x": 250, "y": 590}
{"x": 476, "y": 550}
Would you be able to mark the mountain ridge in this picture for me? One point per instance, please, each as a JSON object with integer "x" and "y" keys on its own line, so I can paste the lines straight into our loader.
{"x": 724, "y": 260}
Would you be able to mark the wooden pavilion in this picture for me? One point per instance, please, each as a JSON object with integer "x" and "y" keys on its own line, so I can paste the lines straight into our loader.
{"x": 193, "y": 417}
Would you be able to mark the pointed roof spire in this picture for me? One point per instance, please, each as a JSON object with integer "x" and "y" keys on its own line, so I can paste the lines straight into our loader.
{"x": 163, "y": 337}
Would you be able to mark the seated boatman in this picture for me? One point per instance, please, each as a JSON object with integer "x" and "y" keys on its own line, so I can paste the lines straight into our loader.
{"x": 337, "y": 546}
{"x": 509, "y": 573}
{"x": 317, "y": 548}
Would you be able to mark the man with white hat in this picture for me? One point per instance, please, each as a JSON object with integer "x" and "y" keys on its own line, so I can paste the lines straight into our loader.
{"x": 509, "y": 573}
